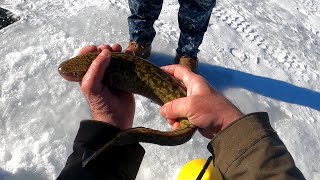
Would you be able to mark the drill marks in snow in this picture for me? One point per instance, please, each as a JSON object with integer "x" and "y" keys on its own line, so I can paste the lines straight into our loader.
{"x": 312, "y": 8}
{"x": 289, "y": 61}
{"x": 313, "y": 11}
{"x": 123, "y": 5}
{"x": 238, "y": 23}
{"x": 240, "y": 54}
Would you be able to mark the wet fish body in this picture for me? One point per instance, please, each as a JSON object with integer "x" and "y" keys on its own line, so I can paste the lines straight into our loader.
{"x": 136, "y": 75}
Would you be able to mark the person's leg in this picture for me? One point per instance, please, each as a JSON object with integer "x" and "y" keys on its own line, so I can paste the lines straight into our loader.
{"x": 143, "y": 15}
{"x": 193, "y": 18}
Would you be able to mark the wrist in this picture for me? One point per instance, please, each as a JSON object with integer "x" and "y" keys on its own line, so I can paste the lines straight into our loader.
{"x": 102, "y": 117}
{"x": 227, "y": 113}
{"x": 230, "y": 117}
{"x": 117, "y": 121}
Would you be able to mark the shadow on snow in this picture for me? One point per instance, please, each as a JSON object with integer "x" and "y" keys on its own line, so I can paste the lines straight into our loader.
{"x": 222, "y": 78}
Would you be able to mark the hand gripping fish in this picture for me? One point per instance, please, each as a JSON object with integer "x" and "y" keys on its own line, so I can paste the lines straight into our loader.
{"x": 136, "y": 75}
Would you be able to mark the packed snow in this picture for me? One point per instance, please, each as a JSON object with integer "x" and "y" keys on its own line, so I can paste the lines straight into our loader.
{"x": 262, "y": 55}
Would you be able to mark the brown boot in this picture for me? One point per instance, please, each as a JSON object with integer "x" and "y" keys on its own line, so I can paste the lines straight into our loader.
{"x": 140, "y": 50}
{"x": 188, "y": 62}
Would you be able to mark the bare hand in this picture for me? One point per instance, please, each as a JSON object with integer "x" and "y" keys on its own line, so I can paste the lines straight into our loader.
{"x": 116, "y": 108}
{"x": 204, "y": 107}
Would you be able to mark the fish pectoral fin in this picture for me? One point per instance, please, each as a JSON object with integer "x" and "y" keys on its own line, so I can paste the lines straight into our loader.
{"x": 87, "y": 156}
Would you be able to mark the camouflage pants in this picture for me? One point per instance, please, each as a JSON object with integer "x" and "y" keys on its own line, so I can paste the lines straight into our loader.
{"x": 193, "y": 18}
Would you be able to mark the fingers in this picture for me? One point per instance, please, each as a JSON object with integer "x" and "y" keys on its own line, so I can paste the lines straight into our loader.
{"x": 87, "y": 49}
{"x": 91, "y": 81}
{"x": 180, "y": 72}
{"x": 128, "y": 51}
{"x": 116, "y": 48}
{"x": 104, "y": 46}
{"x": 175, "y": 109}
{"x": 171, "y": 121}
{"x": 176, "y": 70}
{"x": 93, "y": 48}
{"x": 112, "y": 48}
{"x": 175, "y": 125}
{"x": 191, "y": 80}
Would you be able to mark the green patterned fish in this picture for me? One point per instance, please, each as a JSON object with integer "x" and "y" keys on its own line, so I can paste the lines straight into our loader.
{"x": 136, "y": 75}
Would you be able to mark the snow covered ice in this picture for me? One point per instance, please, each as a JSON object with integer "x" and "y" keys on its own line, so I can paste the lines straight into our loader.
{"x": 262, "y": 55}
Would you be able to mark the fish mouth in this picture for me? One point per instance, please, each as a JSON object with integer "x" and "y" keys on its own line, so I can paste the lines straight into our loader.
{"x": 66, "y": 75}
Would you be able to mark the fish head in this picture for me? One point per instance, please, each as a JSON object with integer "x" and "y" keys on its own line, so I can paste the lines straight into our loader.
{"x": 71, "y": 71}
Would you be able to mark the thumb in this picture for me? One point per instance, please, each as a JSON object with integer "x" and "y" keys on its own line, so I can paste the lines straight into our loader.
{"x": 175, "y": 109}
{"x": 91, "y": 81}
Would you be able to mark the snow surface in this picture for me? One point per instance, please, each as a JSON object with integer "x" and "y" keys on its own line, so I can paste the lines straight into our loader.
{"x": 262, "y": 55}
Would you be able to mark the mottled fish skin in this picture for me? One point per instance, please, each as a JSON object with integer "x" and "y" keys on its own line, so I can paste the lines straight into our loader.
{"x": 136, "y": 75}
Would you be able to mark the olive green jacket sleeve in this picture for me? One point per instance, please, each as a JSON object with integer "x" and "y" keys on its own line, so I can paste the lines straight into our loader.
{"x": 249, "y": 148}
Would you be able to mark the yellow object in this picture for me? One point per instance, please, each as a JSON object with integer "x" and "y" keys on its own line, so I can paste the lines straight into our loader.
{"x": 192, "y": 169}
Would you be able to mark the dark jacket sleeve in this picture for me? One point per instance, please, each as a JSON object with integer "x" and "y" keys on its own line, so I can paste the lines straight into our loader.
{"x": 250, "y": 149}
{"x": 121, "y": 162}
